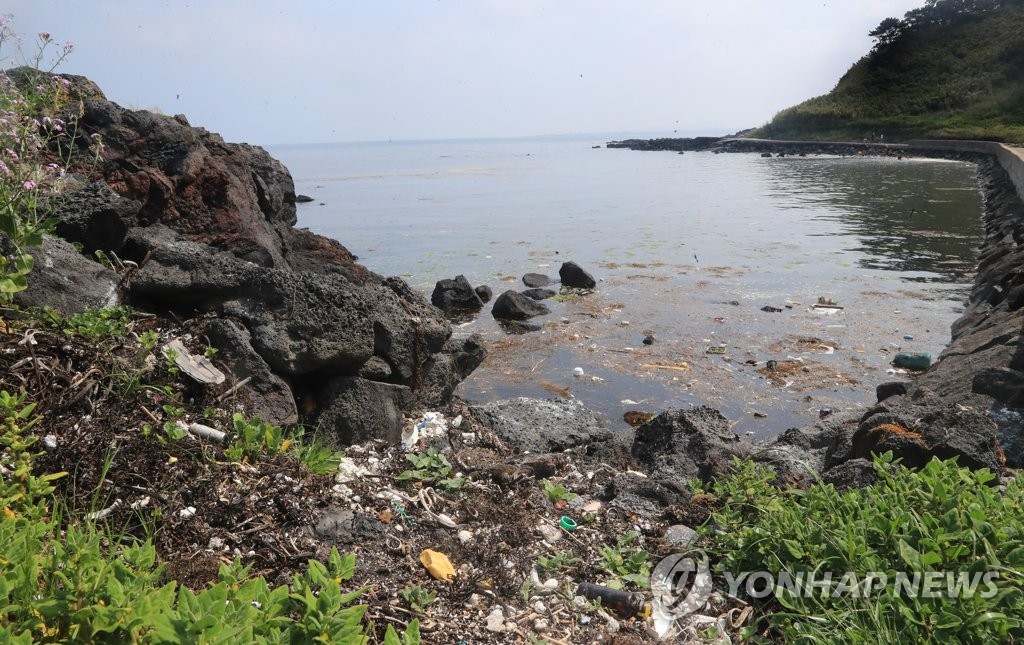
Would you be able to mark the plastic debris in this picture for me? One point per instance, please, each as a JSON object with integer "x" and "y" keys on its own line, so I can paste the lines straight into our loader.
{"x": 432, "y": 424}
{"x": 715, "y": 349}
{"x": 198, "y": 367}
{"x": 917, "y": 361}
{"x": 437, "y": 564}
{"x": 206, "y": 432}
{"x": 567, "y": 523}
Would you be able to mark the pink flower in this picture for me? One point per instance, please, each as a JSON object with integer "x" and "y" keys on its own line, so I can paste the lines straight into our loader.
{"x": 68, "y": 46}
{"x": 4, "y": 170}
{"x": 29, "y": 185}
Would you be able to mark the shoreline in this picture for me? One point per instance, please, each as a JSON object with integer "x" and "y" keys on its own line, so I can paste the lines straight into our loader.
{"x": 981, "y": 373}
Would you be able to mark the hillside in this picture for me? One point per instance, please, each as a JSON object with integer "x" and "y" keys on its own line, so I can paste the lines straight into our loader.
{"x": 951, "y": 69}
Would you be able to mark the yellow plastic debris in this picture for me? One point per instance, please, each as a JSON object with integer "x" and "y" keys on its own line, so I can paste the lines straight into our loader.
{"x": 437, "y": 564}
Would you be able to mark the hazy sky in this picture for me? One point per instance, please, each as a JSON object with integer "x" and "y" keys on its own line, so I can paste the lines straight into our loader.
{"x": 345, "y": 70}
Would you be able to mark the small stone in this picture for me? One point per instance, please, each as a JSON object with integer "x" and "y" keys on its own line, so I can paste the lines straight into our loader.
{"x": 550, "y": 533}
{"x": 496, "y": 621}
{"x": 577, "y": 371}
{"x": 649, "y": 339}
{"x": 541, "y": 624}
{"x": 680, "y": 535}
{"x": 50, "y": 442}
{"x": 215, "y": 544}
{"x": 465, "y": 536}
{"x": 539, "y": 607}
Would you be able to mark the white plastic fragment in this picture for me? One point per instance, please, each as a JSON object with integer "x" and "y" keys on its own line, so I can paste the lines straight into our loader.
{"x": 206, "y": 432}
{"x": 198, "y": 367}
{"x": 432, "y": 424}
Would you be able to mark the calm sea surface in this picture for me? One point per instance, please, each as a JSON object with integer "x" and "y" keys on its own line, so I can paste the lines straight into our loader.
{"x": 688, "y": 248}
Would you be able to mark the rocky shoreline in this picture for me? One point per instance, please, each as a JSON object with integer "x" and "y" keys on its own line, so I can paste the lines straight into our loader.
{"x": 204, "y": 230}
{"x": 968, "y": 404}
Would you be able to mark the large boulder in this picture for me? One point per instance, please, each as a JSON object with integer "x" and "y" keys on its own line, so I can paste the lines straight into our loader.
{"x": 540, "y": 426}
{"x": 269, "y": 396}
{"x": 95, "y": 217}
{"x": 688, "y": 444}
{"x": 455, "y": 294}
{"x": 539, "y": 294}
{"x": 573, "y": 275}
{"x": 67, "y": 281}
{"x": 352, "y": 410}
{"x": 536, "y": 280}
{"x": 515, "y": 306}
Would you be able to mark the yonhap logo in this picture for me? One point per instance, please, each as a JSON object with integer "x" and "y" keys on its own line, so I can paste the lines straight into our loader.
{"x": 681, "y": 584}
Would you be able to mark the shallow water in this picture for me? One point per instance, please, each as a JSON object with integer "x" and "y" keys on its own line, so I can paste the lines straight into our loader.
{"x": 673, "y": 239}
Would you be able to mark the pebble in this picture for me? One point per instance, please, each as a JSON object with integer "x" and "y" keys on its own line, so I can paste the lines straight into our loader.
{"x": 215, "y": 544}
{"x": 50, "y": 441}
{"x": 541, "y": 624}
{"x": 465, "y": 536}
{"x": 539, "y": 607}
{"x": 680, "y": 535}
{"x": 496, "y": 621}
{"x": 577, "y": 371}
{"x": 550, "y": 533}
{"x": 649, "y": 339}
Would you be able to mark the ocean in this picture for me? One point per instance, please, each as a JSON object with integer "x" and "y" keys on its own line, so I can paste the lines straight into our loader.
{"x": 687, "y": 248}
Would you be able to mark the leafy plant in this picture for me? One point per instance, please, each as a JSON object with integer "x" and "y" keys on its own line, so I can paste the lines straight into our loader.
{"x": 431, "y": 467}
{"x": 557, "y": 494}
{"x": 561, "y": 560}
{"x": 937, "y": 520}
{"x": 626, "y": 562}
{"x": 255, "y": 436}
{"x": 94, "y": 323}
{"x": 149, "y": 340}
{"x": 418, "y": 598}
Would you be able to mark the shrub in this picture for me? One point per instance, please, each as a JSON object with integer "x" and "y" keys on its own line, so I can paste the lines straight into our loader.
{"x": 937, "y": 520}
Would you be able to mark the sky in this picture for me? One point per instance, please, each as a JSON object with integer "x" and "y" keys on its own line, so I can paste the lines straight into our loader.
{"x": 312, "y": 71}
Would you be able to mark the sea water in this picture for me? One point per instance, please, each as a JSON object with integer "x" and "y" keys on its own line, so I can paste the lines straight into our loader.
{"x": 687, "y": 248}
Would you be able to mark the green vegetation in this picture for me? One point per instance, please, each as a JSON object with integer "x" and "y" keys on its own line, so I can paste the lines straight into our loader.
{"x": 431, "y": 467}
{"x": 77, "y": 584}
{"x": 418, "y": 598}
{"x": 560, "y": 561}
{"x": 626, "y": 562}
{"x": 556, "y": 493}
{"x": 937, "y": 520}
{"x": 255, "y": 437}
{"x": 951, "y": 69}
